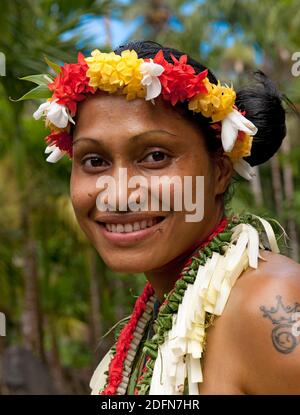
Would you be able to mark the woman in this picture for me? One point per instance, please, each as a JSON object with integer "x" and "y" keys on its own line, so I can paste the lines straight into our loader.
{"x": 178, "y": 121}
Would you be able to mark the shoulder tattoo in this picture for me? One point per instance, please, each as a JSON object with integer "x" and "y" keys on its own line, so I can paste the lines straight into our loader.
{"x": 285, "y": 321}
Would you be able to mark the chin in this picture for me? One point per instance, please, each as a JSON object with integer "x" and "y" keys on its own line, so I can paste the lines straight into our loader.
{"x": 124, "y": 265}
{"x": 128, "y": 264}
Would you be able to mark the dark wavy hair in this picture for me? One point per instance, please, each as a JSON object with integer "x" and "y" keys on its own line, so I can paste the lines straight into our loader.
{"x": 261, "y": 101}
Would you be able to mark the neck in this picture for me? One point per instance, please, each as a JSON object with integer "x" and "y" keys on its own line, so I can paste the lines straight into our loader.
{"x": 163, "y": 279}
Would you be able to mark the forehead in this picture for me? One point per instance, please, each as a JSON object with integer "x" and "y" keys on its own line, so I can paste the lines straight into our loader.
{"x": 114, "y": 114}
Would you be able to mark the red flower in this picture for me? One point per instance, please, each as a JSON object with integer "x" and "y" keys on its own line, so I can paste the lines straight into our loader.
{"x": 179, "y": 82}
{"x": 62, "y": 140}
{"x": 71, "y": 85}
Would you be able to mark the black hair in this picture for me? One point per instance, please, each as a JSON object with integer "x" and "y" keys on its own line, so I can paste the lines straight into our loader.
{"x": 263, "y": 105}
{"x": 261, "y": 102}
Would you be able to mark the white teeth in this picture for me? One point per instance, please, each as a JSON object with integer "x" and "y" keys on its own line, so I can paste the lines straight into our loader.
{"x": 120, "y": 227}
{"x": 136, "y": 226}
{"x": 130, "y": 227}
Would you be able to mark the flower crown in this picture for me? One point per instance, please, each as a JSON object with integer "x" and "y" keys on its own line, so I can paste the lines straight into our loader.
{"x": 139, "y": 78}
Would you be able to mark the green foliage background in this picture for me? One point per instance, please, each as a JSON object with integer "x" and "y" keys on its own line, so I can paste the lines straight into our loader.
{"x": 57, "y": 294}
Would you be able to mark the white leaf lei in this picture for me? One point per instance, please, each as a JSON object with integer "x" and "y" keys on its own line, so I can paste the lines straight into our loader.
{"x": 180, "y": 354}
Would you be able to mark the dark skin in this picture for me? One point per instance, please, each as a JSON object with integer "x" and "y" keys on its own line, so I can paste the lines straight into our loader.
{"x": 244, "y": 354}
{"x": 115, "y": 148}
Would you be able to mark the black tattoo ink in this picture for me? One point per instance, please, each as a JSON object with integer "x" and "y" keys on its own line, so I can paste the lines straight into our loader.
{"x": 282, "y": 318}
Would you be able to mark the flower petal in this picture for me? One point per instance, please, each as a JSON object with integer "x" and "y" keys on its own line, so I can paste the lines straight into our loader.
{"x": 157, "y": 69}
{"x": 229, "y": 134}
{"x": 58, "y": 115}
{"x": 71, "y": 119}
{"x": 151, "y": 68}
{"x": 154, "y": 89}
{"x": 242, "y": 123}
{"x": 244, "y": 169}
{"x": 56, "y": 154}
{"x": 50, "y": 148}
{"x": 150, "y": 72}
{"x": 41, "y": 110}
{"x": 147, "y": 79}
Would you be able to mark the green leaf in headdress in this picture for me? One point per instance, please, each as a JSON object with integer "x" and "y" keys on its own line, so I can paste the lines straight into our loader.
{"x": 40, "y": 92}
{"x": 41, "y": 79}
{"x": 53, "y": 65}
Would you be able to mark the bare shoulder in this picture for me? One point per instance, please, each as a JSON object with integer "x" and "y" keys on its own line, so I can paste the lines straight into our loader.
{"x": 276, "y": 272}
{"x": 263, "y": 312}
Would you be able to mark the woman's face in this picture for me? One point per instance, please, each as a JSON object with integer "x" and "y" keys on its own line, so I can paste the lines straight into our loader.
{"x": 147, "y": 140}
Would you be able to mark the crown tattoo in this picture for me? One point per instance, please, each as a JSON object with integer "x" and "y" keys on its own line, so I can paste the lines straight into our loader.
{"x": 281, "y": 314}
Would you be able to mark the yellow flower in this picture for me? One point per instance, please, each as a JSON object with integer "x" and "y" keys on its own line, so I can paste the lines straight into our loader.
{"x": 242, "y": 147}
{"x": 216, "y": 103}
{"x": 110, "y": 72}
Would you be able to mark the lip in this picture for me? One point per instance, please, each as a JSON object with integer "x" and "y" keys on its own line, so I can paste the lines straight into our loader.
{"x": 127, "y": 217}
{"x": 129, "y": 238}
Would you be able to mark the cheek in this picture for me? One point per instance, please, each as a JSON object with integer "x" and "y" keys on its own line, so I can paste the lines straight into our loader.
{"x": 204, "y": 167}
{"x": 83, "y": 194}
{"x": 197, "y": 177}
{"x": 209, "y": 188}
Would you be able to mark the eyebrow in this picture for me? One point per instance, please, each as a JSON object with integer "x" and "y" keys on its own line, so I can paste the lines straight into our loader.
{"x": 133, "y": 139}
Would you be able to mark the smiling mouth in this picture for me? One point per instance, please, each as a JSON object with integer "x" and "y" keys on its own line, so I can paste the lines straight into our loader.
{"x": 131, "y": 226}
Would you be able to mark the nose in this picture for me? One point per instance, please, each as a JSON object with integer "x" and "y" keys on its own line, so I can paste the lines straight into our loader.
{"x": 122, "y": 191}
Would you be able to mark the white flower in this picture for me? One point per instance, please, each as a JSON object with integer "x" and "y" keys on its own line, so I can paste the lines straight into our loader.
{"x": 150, "y": 72}
{"x": 231, "y": 125}
{"x": 56, "y": 153}
{"x": 57, "y": 114}
{"x": 42, "y": 110}
{"x": 244, "y": 169}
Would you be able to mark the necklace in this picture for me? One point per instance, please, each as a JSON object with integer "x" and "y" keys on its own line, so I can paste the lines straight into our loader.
{"x": 173, "y": 354}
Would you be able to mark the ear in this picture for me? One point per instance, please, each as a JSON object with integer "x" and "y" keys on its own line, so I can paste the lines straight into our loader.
{"x": 223, "y": 174}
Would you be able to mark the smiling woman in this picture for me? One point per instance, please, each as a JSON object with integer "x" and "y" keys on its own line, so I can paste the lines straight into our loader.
{"x": 177, "y": 122}
{"x": 137, "y": 146}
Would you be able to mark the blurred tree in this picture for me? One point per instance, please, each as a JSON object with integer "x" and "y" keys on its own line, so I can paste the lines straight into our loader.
{"x": 28, "y": 31}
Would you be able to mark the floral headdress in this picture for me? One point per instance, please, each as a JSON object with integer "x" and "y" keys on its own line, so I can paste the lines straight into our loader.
{"x": 139, "y": 78}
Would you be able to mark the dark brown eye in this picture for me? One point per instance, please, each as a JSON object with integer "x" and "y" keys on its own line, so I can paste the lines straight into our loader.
{"x": 96, "y": 161}
{"x": 156, "y": 156}
{"x": 93, "y": 162}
